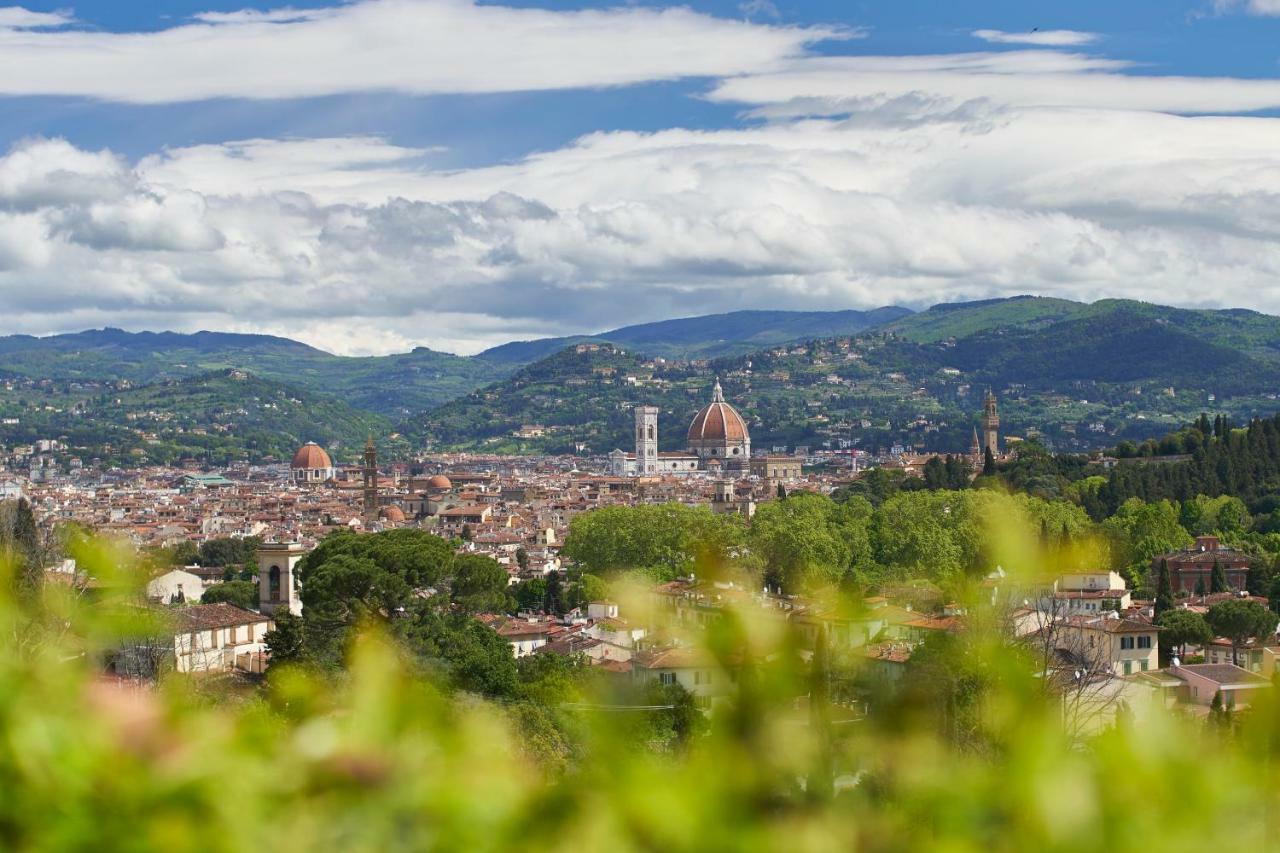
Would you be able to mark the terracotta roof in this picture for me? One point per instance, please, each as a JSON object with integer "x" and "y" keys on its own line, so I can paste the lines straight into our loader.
{"x": 202, "y": 617}
{"x": 311, "y": 455}
{"x": 718, "y": 421}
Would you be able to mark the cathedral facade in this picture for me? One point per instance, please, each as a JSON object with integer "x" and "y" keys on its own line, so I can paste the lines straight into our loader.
{"x": 717, "y": 440}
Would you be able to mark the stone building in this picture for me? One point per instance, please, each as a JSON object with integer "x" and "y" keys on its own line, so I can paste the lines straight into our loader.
{"x": 717, "y": 440}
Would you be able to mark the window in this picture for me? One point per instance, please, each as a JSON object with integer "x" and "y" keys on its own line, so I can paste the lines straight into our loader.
{"x": 1144, "y": 642}
{"x": 1126, "y": 642}
{"x": 273, "y": 583}
{"x": 667, "y": 678}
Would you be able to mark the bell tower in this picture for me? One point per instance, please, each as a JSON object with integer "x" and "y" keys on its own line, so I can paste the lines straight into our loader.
{"x": 370, "y": 472}
{"x": 646, "y": 439}
{"x": 277, "y": 583}
{"x": 990, "y": 424}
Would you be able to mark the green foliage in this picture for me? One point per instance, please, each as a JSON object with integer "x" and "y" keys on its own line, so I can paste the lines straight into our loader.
{"x": 1182, "y": 628}
{"x": 1143, "y": 531}
{"x": 1164, "y": 590}
{"x": 664, "y": 539}
{"x": 808, "y": 540}
{"x": 1239, "y": 620}
{"x": 240, "y": 593}
{"x": 479, "y": 585}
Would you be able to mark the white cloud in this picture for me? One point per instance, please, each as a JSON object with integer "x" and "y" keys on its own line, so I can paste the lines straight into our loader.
{"x": 931, "y": 178}
{"x": 1249, "y": 7}
{"x": 1042, "y": 38}
{"x": 832, "y": 86}
{"x": 414, "y": 47}
{"x": 17, "y": 18}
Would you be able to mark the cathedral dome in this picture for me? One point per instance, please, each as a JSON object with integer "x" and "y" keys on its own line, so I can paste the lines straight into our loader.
{"x": 391, "y": 513}
{"x": 717, "y": 422}
{"x": 311, "y": 456}
{"x": 439, "y": 481}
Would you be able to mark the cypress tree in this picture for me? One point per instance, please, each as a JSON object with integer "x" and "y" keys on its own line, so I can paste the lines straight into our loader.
{"x": 553, "y": 598}
{"x": 988, "y": 463}
{"x": 1218, "y": 580}
{"x": 782, "y": 492}
{"x": 1164, "y": 589}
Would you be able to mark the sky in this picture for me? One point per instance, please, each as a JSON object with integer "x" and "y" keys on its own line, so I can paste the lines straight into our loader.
{"x": 375, "y": 175}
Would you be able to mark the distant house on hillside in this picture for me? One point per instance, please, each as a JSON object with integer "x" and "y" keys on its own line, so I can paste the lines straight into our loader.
{"x": 1191, "y": 569}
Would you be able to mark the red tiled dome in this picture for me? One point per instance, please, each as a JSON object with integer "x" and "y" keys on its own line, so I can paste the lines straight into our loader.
{"x": 439, "y": 481}
{"x": 392, "y": 513}
{"x": 717, "y": 422}
{"x": 311, "y": 455}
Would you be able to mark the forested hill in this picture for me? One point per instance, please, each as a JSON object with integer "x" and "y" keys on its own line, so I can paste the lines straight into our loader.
{"x": 716, "y": 335}
{"x": 392, "y": 385}
{"x": 215, "y": 418}
{"x": 1084, "y": 376}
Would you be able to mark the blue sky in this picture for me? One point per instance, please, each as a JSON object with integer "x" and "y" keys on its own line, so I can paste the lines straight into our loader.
{"x": 1167, "y": 36}
{"x": 385, "y": 173}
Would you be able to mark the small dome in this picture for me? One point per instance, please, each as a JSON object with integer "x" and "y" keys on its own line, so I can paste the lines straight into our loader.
{"x": 717, "y": 422}
{"x": 311, "y": 456}
{"x": 391, "y": 513}
{"x": 439, "y": 481}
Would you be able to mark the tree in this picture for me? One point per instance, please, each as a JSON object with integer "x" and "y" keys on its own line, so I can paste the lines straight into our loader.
{"x": 466, "y": 533}
{"x": 522, "y": 559}
{"x": 988, "y": 463}
{"x": 809, "y": 540}
{"x": 1181, "y": 628}
{"x": 286, "y": 642}
{"x": 665, "y": 540}
{"x": 240, "y": 593}
{"x": 1218, "y": 579}
{"x": 1164, "y": 589}
{"x": 553, "y": 598}
{"x": 782, "y": 492}
{"x": 530, "y": 594}
{"x": 1239, "y": 620}
{"x": 22, "y": 541}
{"x": 479, "y": 585}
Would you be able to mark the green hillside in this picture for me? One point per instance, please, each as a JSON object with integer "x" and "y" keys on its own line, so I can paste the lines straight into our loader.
{"x": 214, "y": 418}
{"x": 712, "y": 336}
{"x": 1082, "y": 375}
{"x": 393, "y": 385}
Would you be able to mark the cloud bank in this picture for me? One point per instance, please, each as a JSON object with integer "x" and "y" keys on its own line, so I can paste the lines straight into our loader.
{"x": 855, "y": 181}
{"x": 415, "y": 47}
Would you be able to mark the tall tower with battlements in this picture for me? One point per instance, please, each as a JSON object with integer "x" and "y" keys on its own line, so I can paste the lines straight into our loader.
{"x": 990, "y": 424}
{"x": 646, "y": 439}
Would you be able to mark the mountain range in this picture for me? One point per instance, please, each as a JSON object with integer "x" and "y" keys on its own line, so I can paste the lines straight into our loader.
{"x": 1081, "y": 374}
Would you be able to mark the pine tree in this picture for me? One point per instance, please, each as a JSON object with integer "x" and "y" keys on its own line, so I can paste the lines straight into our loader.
{"x": 1164, "y": 589}
{"x": 1218, "y": 580}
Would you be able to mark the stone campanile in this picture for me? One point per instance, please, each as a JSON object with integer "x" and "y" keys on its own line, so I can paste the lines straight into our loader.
{"x": 646, "y": 439}
{"x": 991, "y": 424}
